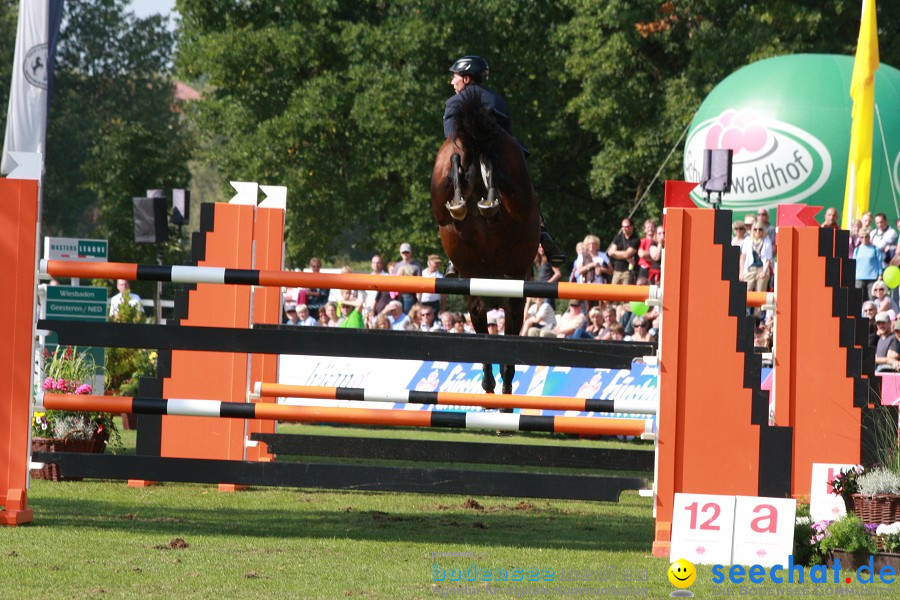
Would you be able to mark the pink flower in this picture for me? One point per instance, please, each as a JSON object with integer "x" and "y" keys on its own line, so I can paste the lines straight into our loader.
{"x": 49, "y": 384}
{"x": 84, "y": 389}
{"x": 61, "y": 385}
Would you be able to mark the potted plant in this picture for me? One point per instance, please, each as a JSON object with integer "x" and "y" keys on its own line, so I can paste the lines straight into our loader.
{"x": 889, "y": 536}
{"x": 65, "y": 371}
{"x": 126, "y": 366}
{"x": 877, "y": 499}
{"x": 889, "y": 541}
{"x": 849, "y": 540}
{"x": 846, "y": 484}
{"x": 807, "y": 535}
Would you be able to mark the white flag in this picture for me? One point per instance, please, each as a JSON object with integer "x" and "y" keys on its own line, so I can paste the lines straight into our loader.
{"x": 26, "y": 120}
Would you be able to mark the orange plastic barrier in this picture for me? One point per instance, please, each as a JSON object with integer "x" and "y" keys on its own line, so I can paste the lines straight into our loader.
{"x": 18, "y": 220}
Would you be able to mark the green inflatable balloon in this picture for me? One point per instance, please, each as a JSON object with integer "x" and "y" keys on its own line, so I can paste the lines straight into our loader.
{"x": 891, "y": 277}
{"x": 639, "y": 308}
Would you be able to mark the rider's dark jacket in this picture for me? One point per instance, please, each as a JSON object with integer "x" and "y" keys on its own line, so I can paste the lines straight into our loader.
{"x": 491, "y": 100}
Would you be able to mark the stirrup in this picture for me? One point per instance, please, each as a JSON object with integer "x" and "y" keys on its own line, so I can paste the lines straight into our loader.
{"x": 450, "y": 271}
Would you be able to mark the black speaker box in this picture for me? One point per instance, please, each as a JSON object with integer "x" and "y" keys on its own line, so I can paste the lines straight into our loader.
{"x": 150, "y": 223}
{"x": 716, "y": 175}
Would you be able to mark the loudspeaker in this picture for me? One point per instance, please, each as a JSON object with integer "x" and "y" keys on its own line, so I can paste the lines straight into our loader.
{"x": 181, "y": 207}
{"x": 716, "y": 171}
{"x": 150, "y": 223}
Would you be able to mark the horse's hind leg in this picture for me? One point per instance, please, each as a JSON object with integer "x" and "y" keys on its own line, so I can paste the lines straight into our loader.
{"x": 508, "y": 372}
{"x": 457, "y": 206}
{"x": 488, "y": 383}
{"x": 490, "y": 206}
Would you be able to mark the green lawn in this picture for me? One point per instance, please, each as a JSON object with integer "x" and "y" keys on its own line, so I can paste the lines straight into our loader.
{"x": 98, "y": 539}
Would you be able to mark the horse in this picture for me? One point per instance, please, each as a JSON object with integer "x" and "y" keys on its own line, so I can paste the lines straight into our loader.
{"x": 487, "y": 213}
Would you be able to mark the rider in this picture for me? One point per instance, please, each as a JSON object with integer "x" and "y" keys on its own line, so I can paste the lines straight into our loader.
{"x": 473, "y": 71}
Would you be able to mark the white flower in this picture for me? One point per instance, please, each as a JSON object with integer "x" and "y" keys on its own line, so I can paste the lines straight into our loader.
{"x": 803, "y": 521}
{"x": 881, "y": 529}
{"x": 893, "y": 528}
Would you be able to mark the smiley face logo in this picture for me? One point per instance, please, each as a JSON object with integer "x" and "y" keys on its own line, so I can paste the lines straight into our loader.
{"x": 682, "y": 573}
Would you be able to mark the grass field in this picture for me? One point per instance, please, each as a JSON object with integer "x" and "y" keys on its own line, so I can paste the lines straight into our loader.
{"x": 98, "y": 539}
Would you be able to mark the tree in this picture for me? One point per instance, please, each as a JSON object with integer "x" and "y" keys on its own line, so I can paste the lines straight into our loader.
{"x": 8, "y": 15}
{"x": 644, "y": 68}
{"x": 112, "y": 132}
{"x": 342, "y": 102}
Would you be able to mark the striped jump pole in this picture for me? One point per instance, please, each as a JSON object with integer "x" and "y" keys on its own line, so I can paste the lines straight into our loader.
{"x": 500, "y": 288}
{"x": 355, "y": 416}
{"x": 278, "y": 390}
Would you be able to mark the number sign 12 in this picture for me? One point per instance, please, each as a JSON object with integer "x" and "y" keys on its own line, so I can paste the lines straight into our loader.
{"x": 702, "y": 528}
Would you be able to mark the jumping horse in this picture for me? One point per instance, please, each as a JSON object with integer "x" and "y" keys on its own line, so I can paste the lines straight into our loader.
{"x": 486, "y": 234}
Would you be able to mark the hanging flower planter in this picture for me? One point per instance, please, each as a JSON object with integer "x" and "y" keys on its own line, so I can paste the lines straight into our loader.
{"x": 878, "y": 508}
{"x": 50, "y": 471}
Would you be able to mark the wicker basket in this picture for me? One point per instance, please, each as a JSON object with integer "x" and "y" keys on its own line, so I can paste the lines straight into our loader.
{"x": 880, "y": 508}
{"x": 50, "y": 471}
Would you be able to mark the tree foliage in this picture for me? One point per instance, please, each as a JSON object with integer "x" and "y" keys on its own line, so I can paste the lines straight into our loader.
{"x": 644, "y": 68}
{"x": 341, "y": 101}
{"x": 113, "y": 131}
{"x": 8, "y": 14}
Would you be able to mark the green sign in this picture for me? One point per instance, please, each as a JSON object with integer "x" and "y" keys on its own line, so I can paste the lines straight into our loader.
{"x": 75, "y": 303}
{"x": 58, "y": 248}
{"x": 787, "y": 120}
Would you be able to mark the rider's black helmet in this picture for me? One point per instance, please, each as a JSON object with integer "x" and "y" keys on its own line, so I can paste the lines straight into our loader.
{"x": 473, "y": 66}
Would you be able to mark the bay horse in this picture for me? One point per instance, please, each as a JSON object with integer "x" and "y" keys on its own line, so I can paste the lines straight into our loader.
{"x": 486, "y": 236}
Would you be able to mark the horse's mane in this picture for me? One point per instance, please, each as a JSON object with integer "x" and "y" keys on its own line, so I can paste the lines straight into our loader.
{"x": 476, "y": 128}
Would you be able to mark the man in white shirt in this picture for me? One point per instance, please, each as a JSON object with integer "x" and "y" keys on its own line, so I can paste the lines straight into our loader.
{"x": 433, "y": 269}
{"x": 116, "y": 301}
{"x": 884, "y": 238}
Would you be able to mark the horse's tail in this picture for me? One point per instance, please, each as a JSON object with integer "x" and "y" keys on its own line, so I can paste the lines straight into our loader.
{"x": 476, "y": 125}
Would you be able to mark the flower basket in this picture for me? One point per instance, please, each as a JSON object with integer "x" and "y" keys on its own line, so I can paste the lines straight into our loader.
{"x": 50, "y": 471}
{"x": 880, "y": 508}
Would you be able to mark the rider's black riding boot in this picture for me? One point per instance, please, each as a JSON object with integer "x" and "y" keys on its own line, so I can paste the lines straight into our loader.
{"x": 556, "y": 256}
{"x": 450, "y": 272}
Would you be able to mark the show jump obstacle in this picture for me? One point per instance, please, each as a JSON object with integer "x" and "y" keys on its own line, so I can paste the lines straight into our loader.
{"x": 715, "y": 432}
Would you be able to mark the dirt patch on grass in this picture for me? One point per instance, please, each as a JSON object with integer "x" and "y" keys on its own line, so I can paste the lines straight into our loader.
{"x": 175, "y": 544}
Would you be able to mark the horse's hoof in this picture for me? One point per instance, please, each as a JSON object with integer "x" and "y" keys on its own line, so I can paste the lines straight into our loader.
{"x": 457, "y": 210}
{"x": 488, "y": 209}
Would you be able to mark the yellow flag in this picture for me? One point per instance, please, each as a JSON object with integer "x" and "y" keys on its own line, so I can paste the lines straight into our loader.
{"x": 862, "y": 90}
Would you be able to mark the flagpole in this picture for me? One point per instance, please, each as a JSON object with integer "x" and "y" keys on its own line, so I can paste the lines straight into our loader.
{"x": 862, "y": 91}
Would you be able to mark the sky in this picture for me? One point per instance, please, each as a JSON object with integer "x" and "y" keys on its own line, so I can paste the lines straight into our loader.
{"x": 143, "y": 8}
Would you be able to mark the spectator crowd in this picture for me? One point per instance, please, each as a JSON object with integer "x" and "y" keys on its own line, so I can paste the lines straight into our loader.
{"x": 631, "y": 258}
